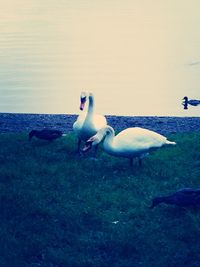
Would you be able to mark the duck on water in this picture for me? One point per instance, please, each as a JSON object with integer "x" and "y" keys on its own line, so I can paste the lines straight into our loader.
{"x": 192, "y": 102}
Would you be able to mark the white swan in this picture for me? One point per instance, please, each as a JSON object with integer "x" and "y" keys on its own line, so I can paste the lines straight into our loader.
{"x": 129, "y": 143}
{"x": 87, "y": 123}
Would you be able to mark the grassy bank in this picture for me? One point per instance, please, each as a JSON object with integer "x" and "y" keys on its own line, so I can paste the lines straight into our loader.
{"x": 61, "y": 210}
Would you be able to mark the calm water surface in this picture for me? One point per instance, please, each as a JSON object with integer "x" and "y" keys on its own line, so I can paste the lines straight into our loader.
{"x": 138, "y": 58}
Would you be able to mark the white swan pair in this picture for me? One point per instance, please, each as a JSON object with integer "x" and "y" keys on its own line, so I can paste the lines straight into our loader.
{"x": 129, "y": 143}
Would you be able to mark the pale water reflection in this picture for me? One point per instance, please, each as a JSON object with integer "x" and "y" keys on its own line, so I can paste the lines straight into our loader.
{"x": 137, "y": 57}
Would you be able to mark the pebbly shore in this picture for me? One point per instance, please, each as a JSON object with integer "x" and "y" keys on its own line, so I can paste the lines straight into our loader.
{"x": 18, "y": 122}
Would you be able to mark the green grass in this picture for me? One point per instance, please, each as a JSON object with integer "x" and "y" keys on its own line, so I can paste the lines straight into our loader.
{"x": 61, "y": 210}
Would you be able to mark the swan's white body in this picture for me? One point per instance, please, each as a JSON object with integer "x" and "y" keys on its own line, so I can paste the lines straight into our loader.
{"x": 129, "y": 143}
{"x": 86, "y": 126}
{"x": 88, "y": 123}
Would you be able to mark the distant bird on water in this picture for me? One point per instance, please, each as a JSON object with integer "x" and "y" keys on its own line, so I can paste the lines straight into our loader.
{"x": 183, "y": 198}
{"x": 192, "y": 102}
{"x": 45, "y": 134}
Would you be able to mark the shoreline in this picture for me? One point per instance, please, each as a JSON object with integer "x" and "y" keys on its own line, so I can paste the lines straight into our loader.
{"x": 25, "y": 122}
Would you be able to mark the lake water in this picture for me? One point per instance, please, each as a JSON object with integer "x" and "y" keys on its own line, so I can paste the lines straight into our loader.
{"x": 137, "y": 57}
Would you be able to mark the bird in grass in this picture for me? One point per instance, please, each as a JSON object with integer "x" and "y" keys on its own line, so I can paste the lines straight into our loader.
{"x": 183, "y": 198}
{"x": 46, "y": 134}
{"x": 87, "y": 123}
{"x": 192, "y": 102}
{"x": 130, "y": 143}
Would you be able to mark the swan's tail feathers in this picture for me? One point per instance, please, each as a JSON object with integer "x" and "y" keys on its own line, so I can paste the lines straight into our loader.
{"x": 170, "y": 143}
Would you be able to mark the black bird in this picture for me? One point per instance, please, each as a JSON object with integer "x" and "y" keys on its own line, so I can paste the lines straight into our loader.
{"x": 45, "y": 134}
{"x": 182, "y": 198}
{"x": 192, "y": 102}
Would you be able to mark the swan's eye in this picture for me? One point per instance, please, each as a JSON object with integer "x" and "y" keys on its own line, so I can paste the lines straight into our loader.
{"x": 107, "y": 132}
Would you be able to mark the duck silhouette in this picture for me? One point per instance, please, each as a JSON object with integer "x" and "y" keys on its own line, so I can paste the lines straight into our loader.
{"x": 183, "y": 198}
{"x": 45, "y": 134}
{"x": 192, "y": 102}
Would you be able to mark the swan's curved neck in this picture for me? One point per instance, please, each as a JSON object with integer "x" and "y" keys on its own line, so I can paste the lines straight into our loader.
{"x": 91, "y": 104}
{"x": 109, "y": 138}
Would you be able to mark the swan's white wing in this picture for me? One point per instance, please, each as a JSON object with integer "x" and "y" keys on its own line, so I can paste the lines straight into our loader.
{"x": 99, "y": 121}
{"x": 138, "y": 139}
{"x": 87, "y": 127}
{"x": 92, "y": 125}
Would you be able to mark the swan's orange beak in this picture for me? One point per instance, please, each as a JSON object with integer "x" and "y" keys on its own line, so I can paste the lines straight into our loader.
{"x": 88, "y": 144}
{"x": 82, "y": 105}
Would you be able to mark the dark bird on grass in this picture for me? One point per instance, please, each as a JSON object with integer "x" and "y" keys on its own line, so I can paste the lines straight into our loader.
{"x": 192, "y": 102}
{"x": 183, "y": 198}
{"x": 46, "y": 134}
